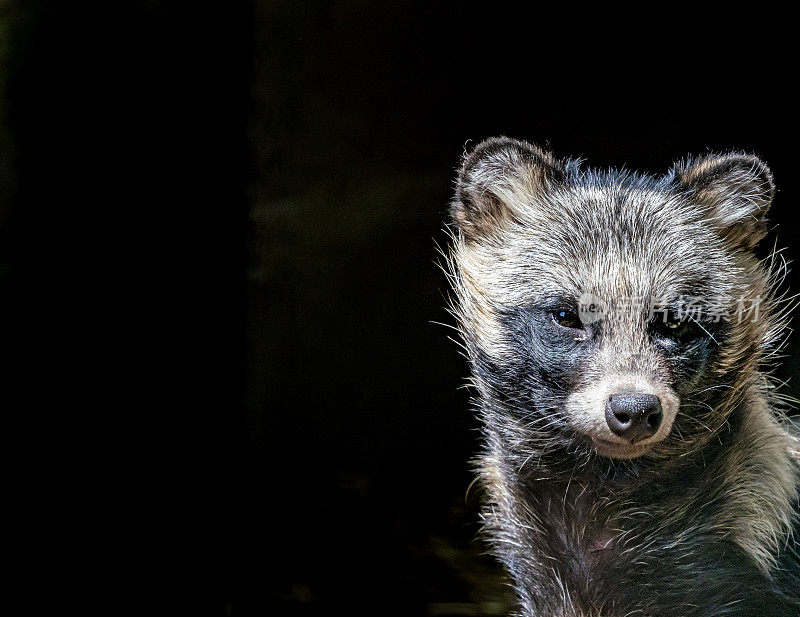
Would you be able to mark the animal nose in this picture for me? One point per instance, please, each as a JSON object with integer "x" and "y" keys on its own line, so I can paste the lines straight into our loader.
{"x": 633, "y": 416}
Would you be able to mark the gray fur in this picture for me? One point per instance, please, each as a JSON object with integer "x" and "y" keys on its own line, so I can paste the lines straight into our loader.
{"x": 587, "y": 525}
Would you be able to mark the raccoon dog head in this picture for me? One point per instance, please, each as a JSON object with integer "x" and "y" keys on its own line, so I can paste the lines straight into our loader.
{"x": 614, "y": 314}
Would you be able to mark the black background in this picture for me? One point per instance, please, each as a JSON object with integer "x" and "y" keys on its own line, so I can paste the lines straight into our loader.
{"x": 219, "y": 229}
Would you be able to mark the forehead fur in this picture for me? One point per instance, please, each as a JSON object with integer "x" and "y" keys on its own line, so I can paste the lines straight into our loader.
{"x": 603, "y": 233}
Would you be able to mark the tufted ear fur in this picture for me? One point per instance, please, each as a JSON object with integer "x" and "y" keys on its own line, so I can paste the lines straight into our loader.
{"x": 737, "y": 190}
{"x": 497, "y": 178}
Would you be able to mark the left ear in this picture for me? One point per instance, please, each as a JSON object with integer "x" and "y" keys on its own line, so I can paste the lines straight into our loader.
{"x": 736, "y": 188}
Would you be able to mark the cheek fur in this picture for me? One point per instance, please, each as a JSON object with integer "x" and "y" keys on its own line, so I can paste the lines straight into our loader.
{"x": 550, "y": 356}
{"x": 690, "y": 363}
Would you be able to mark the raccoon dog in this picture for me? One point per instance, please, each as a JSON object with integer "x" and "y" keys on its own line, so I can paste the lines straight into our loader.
{"x": 619, "y": 328}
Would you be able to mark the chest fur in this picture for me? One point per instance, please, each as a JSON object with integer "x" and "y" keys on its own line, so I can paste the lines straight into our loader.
{"x": 576, "y": 550}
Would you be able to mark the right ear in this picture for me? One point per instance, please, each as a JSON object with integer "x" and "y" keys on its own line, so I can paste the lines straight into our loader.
{"x": 497, "y": 178}
{"x": 735, "y": 188}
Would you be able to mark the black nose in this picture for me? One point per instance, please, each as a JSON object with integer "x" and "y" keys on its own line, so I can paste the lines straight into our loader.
{"x": 633, "y": 416}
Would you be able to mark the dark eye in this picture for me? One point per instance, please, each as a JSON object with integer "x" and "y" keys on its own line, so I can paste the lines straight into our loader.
{"x": 567, "y": 318}
{"x": 672, "y": 325}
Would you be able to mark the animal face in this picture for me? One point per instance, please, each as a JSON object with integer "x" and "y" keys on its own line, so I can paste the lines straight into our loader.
{"x": 614, "y": 314}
